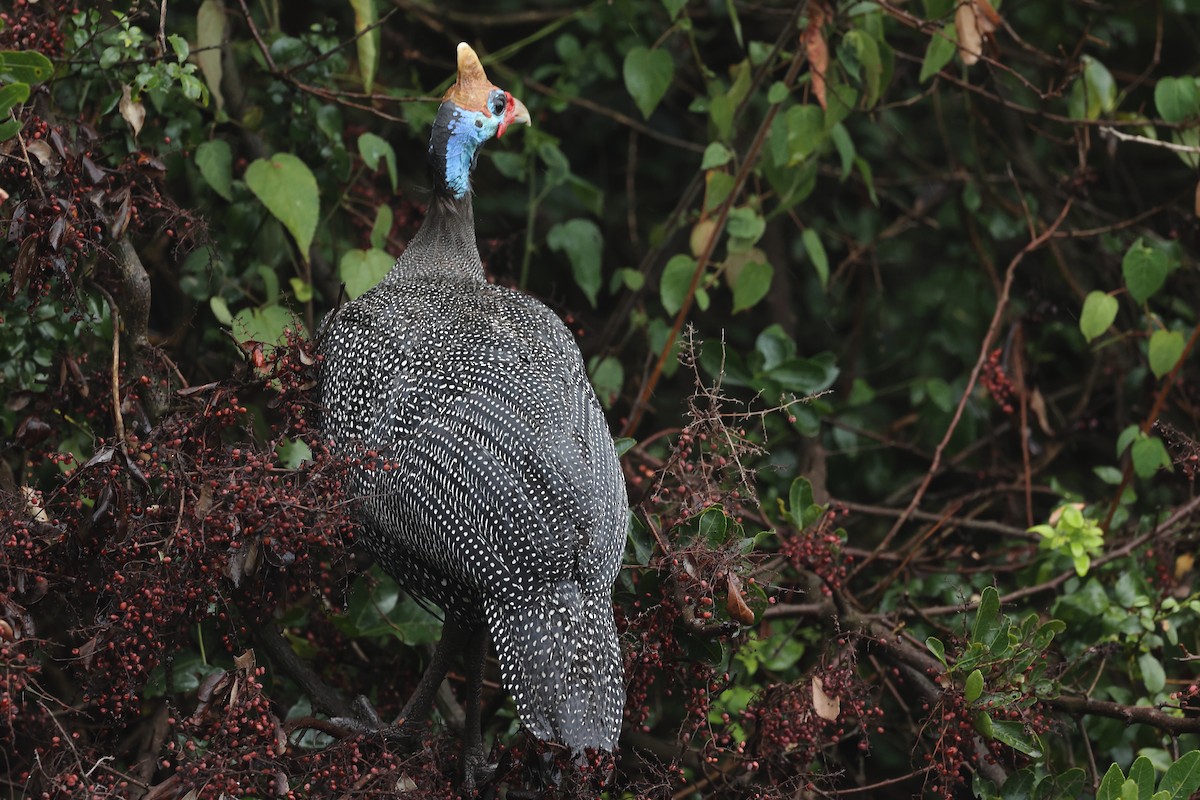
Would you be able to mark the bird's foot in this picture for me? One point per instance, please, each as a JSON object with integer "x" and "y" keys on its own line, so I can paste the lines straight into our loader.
{"x": 475, "y": 773}
{"x": 363, "y": 717}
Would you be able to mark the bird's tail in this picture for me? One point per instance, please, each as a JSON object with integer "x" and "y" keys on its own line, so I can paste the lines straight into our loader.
{"x": 560, "y": 660}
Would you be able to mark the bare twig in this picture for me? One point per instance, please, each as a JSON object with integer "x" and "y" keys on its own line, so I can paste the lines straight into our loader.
{"x": 989, "y": 337}
{"x": 1133, "y": 137}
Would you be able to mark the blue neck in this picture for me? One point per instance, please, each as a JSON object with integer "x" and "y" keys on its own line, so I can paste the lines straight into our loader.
{"x": 453, "y": 148}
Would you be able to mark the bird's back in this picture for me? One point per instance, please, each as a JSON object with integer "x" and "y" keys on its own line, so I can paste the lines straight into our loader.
{"x": 494, "y": 489}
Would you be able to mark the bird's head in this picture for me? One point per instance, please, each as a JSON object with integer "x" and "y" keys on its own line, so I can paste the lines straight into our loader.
{"x": 473, "y": 110}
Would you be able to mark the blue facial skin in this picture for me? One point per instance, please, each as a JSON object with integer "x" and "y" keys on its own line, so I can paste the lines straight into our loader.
{"x": 461, "y": 133}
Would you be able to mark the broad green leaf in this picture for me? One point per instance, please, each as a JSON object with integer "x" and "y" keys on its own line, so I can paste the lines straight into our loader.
{"x": 936, "y": 9}
{"x": 714, "y": 526}
{"x": 301, "y": 289}
{"x": 1183, "y": 777}
{"x": 360, "y": 270}
{"x": 1166, "y": 348}
{"x": 974, "y": 686}
{"x": 286, "y": 186}
{"x": 866, "y": 53}
{"x": 745, "y": 227}
{"x": 211, "y": 25}
{"x": 816, "y": 252}
{"x": 777, "y": 93}
{"x": 674, "y": 7}
{"x": 623, "y": 445}
{"x": 1153, "y": 675}
{"x": 1013, "y": 734}
{"x": 9, "y": 128}
{"x": 716, "y": 155}
{"x": 845, "y": 148}
{"x": 1126, "y": 438}
{"x": 1110, "y": 786}
{"x": 220, "y": 309}
{"x": 264, "y": 325}
{"x": 800, "y": 504}
{"x": 1145, "y": 269}
{"x": 752, "y": 285}
{"x": 1149, "y": 454}
{"x": 942, "y": 46}
{"x": 365, "y": 16}
{"x": 381, "y": 227}
{"x": 1094, "y": 93}
{"x": 1099, "y": 313}
{"x": 648, "y": 75}
{"x": 582, "y": 243}
{"x": 608, "y": 376}
{"x": 805, "y": 131}
{"x": 938, "y": 649}
{"x": 987, "y": 616}
{"x": 1177, "y": 99}
{"x": 215, "y": 162}
{"x": 675, "y": 282}
{"x": 372, "y": 148}
{"x": 24, "y": 66}
{"x": 12, "y": 94}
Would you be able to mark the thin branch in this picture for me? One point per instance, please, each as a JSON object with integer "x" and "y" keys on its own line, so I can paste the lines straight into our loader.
{"x": 989, "y": 337}
{"x": 1133, "y": 137}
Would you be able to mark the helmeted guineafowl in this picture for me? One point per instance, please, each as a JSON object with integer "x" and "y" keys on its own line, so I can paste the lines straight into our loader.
{"x": 491, "y": 486}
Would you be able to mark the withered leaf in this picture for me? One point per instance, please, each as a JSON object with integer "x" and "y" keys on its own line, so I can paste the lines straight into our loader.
{"x": 826, "y": 707}
{"x": 132, "y": 111}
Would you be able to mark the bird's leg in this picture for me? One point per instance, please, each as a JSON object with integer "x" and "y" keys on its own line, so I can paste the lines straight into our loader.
{"x": 417, "y": 709}
{"x": 475, "y": 769}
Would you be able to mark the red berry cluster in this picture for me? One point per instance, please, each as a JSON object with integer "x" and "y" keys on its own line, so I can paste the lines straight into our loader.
{"x": 35, "y": 26}
{"x": 996, "y": 381}
{"x": 819, "y": 549}
{"x": 794, "y": 723}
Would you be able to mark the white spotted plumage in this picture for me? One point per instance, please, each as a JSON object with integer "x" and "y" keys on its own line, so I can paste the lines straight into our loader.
{"x": 503, "y": 501}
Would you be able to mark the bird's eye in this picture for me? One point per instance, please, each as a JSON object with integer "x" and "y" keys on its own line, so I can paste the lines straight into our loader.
{"x": 497, "y": 102}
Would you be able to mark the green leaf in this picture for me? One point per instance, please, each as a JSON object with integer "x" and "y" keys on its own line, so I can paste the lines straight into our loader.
{"x": 262, "y": 324}
{"x": 1183, "y": 777}
{"x": 845, "y": 148}
{"x": 1013, "y": 734}
{"x": 623, "y": 445}
{"x": 608, "y": 376}
{"x": 866, "y": 52}
{"x": 745, "y": 227}
{"x": 215, "y": 162}
{"x": 1099, "y": 313}
{"x": 1094, "y": 93}
{"x": 381, "y": 227}
{"x": 816, "y": 252}
{"x": 987, "y": 616}
{"x": 365, "y": 16}
{"x": 805, "y": 131}
{"x": 800, "y": 504}
{"x": 1153, "y": 675}
{"x": 1149, "y": 454}
{"x": 286, "y": 186}
{"x": 179, "y": 46}
{"x": 1110, "y": 786}
{"x": 752, "y": 285}
{"x": 675, "y": 282}
{"x": 938, "y": 649}
{"x": 220, "y": 309}
{"x": 360, "y": 270}
{"x": 580, "y": 239}
{"x": 714, "y": 526}
{"x": 648, "y": 75}
{"x": 974, "y": 686}
{"x": 1166, "y": 348}
{"x": 1143, "y": 775}
{"x": 1126, "y": 438}
{"x": 372, "y": 148}
{"x": 777, "y": 93}
{"x": 12, "y": 94}
{"x": 942, "y": 46}
{"x": 1145, "y": 269}
{"x": 301, "y": 289}
{"x": 674, "y": 7}
{"x": 25, "y": 66}
{"x": 9, "y": 129}
{"x": 716, "y": 155}
{"x": 1177, "y": 99}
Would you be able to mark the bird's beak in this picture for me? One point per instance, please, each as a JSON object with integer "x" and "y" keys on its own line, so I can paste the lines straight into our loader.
{"x": 519, "y": 112}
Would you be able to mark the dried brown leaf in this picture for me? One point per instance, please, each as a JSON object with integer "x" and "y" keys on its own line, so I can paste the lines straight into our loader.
{"x": 735, "y": 604}
{"x": 816, "y": 49}
{"x": 826, "y": 707}
{"x": 132, "y": 111}
{"x": 1037, "y": 404}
